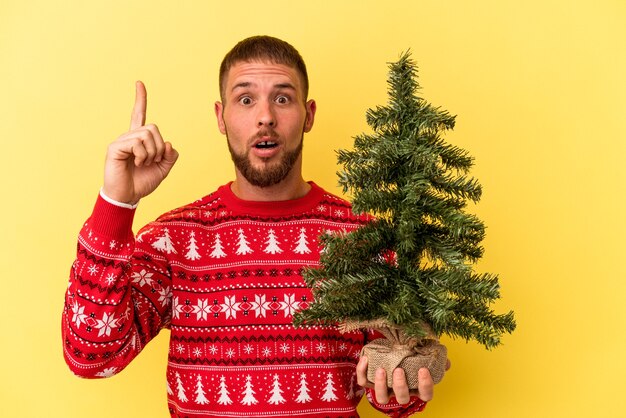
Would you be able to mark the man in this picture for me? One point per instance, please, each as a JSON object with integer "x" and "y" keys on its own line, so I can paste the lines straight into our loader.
{"x": 223, "y": 273}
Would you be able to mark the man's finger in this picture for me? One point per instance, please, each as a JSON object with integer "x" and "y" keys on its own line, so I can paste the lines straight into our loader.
{"x": 138, "y": 117}
{"x": 425, "y": 384}
{"x": 361, "y": 373}
{"x": 159, "y": 143}
{"x": 380, "y": 387}
{"x": 400, "y": 387}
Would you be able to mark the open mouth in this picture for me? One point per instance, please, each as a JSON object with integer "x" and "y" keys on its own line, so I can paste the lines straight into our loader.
{"x": 266, "y": 145}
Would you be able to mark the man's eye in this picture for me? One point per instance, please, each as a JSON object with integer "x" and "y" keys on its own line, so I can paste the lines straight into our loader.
{"x": 245, "y": 100}
{"x": 282, "y": 100}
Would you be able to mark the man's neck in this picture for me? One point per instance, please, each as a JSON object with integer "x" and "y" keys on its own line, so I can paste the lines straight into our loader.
{"x": 288, "y": 189}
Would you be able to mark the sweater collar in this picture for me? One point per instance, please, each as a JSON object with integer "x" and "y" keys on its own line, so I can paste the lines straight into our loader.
{"x": 271, "y": 208}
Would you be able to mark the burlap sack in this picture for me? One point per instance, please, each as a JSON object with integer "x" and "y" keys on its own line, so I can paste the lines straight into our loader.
{"x": 396, "y": 350}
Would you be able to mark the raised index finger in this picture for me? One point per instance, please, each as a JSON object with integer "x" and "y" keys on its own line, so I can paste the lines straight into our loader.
{"x": 138, "y": 117}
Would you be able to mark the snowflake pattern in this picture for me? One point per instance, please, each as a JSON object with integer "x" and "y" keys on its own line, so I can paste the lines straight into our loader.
{"x": 143, "y": 278}
{"x": 260, "y": 306}
{"x": 79, "y": 315}
{"x": 108, "y": 372}
{"x": 164, "y": 295}
{"x": 178, "y": 308}
{"x": 110, "y": 279}
{"x": 202, "y": 309}
{"x": 289, "y": 305}
{"x": 92, "y": 269}
{"x": 230, "y": 307}
{"x": 106, "y": 324}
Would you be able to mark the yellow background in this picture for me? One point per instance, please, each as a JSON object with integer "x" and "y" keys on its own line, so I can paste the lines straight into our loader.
{"x": 539, "y": 90}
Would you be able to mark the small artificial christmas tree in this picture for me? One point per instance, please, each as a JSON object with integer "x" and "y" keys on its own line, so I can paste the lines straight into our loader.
{"x": 407, "y": 273}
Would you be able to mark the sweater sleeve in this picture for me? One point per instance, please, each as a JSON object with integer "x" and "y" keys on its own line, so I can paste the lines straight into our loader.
{"x": 392, "y": 408}
{"x": 118, "y": 297}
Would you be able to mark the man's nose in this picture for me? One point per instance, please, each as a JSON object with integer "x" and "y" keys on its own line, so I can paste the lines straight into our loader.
{"x": 265, "y": 116}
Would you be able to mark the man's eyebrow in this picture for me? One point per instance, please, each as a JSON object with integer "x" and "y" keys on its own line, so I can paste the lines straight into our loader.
{"x": 242, "y": 85}
{"x": 285, "y": 86}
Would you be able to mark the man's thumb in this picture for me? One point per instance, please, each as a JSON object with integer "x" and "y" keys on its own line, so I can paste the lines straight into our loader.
{"x": 170, "y": 155}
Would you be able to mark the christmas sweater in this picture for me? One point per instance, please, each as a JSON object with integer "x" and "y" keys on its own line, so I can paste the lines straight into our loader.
{"x": 224, "y": 275}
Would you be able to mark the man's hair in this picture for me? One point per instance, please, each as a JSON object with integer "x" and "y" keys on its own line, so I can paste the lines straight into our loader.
{"x": 264, "y": 48}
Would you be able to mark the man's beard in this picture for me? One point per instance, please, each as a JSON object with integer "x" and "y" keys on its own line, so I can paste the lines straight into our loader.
{"x": 270, "y": 174}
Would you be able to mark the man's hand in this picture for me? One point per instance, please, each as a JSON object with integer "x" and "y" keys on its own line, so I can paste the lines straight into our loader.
{"x": 400, "y": 388}
{"x": 138, "y": 161}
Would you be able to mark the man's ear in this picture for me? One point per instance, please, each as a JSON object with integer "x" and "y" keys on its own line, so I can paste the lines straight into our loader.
{"x": 219, "y": 114}
{"x": 311, "y": 107}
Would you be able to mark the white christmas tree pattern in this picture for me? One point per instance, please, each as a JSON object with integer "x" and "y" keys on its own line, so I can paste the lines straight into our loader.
{"x": 218, "y": 249}
{"x": 329, "y": 390}
{"x": 303, "y": 244}
{"x": 169, "y": 388}
{"x": 200, "y": 395}
{"x": 224, "y": 399}
{"x": 243, "y": 247}
{"x": 181, "y": 390}
{"x": 303, "y": 390}
{"x": 192, "y": 253}
{"x": 277, "y": 397}
{"x": 248, "y": 398}
{"x": 164, "y": 243}
{"x": 272, "y": 243}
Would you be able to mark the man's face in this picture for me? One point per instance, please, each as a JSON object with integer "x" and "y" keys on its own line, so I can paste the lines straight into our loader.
{"x": 264, "y": 117}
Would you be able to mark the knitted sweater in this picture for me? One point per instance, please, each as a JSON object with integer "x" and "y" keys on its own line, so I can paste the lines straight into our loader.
{"x": 224, "y": 275}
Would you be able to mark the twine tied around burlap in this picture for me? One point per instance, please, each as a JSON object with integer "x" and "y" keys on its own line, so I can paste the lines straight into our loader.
{"x": 398, "y": 350}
